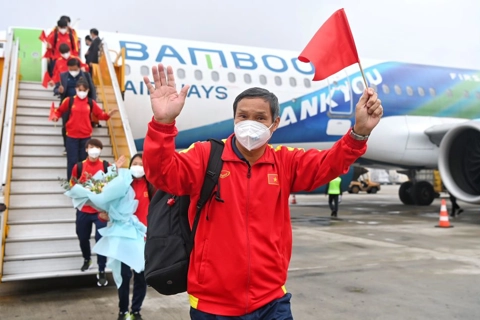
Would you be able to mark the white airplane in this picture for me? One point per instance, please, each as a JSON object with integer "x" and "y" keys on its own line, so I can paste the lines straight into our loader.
{"x": 429, "y": 111}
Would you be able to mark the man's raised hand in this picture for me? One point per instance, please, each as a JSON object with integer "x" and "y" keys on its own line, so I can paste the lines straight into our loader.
{"x": 167, "y": 103}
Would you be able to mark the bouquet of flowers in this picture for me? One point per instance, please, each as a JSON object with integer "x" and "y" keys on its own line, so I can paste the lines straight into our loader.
{"x": 123, "y": 240}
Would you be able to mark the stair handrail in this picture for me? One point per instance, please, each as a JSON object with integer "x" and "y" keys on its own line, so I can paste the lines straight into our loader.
{"x": 8, "y": 119}
{"x": 120, "y": 104}
{"x": 6, "y": 152}
{"x": 4, "y": 83}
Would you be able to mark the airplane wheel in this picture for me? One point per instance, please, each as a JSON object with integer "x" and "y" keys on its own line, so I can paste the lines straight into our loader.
{"x": 423, "y": 193}
{"x": 404, "y": 193}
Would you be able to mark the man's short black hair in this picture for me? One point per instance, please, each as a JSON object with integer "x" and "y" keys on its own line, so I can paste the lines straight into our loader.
{"x": 73, "y": 62}
{"x": 66, "y": 18}
{"x": 64, "y": 48}
{"x": 87, "y": 37}
{"x": 262, "y": 94}
{"x": 94, "y": 31}
{"x": 62, "y": 23}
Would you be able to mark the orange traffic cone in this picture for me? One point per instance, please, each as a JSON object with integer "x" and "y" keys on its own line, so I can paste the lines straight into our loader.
{"x": 444, "y": 222}
{"x": 294, "y": 200}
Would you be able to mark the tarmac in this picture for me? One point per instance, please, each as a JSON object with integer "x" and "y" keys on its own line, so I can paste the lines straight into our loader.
{"x": 379, "y": 260}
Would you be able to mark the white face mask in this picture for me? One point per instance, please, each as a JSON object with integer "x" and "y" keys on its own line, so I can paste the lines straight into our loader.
{"x": 137, "y": 171}
{"x": 63, "y": 31}
{"x": 94, "y": 153}
{"x": 252, "y": 134}
{"x": 82, "y": 94}
{"x": 74, "y": 73}
{"x": 66, "y": 55}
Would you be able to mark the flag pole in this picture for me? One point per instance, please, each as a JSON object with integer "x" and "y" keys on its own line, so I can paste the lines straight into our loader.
{"x": 363, "y": 74}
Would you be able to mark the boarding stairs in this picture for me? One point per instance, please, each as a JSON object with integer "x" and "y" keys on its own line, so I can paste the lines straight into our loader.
{"x": 38, "y": 231}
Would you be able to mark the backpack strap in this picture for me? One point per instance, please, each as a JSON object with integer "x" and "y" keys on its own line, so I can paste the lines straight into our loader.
{"x": 79, "y": 169}
{"x": 214, "y": 167}
{"x": 105, "y": 166}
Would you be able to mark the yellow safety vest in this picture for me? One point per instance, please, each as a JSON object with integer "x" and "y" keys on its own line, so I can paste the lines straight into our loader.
{"x": 334, "y": 186}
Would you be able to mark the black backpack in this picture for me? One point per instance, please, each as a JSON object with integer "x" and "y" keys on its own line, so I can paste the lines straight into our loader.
{"x": 169, "y": 238}
{"x": 80, "y": 168}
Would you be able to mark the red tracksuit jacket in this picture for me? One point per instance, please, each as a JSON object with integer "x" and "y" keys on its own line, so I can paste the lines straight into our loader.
{"x": 79, "y": 125}
{"x": 242, "y": 251}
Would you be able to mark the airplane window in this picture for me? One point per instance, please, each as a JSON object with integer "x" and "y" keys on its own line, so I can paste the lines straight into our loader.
{"x": 231, "y": 77}
{"x": 385, "y": 89}
{"x": 278, "y": 81}
{"x": 449, "y": 92}
{"x": 421, "y": 92}
{"x": 432, "y": 92}
{"x": 247, "y": 78}
{"x": 144, "y": 70}
{"x": 215, "y": 76}
{"x": 198, "y": 74}
{"x": 466, "y": 94}
{"x": 180, "y": 73}
{"x": 263, "y": 79}
{"x": 293, "y": 82}
{"x": 409, "y": 91}
{"x": 127, "y": 70}
{"x": 307, "y": 83}
{"x": 398, "y": 90}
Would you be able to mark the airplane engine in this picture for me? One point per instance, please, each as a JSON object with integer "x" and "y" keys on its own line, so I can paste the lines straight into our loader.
{"x": 459, "y": 161}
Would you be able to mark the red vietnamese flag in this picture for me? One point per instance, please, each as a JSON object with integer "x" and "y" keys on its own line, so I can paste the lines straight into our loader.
{"x": 43, "y": 37}
{"x": 52, "y": 112}
{"x": 46, "y": 79}
{"x": 332, "y": 48}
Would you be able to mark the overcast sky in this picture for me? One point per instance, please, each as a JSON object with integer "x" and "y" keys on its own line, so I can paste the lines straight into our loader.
{"x": 443, "y": 32}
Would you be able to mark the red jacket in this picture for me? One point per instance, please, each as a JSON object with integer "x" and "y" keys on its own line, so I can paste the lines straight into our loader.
{"x": 61, "y": 66}
{"x": 140, "y": 187}
{"x": 242, "y": 251}
{"x": 89, "y": 167}
{"x": 79, "y": 125}
{"x": 54, "y": 52}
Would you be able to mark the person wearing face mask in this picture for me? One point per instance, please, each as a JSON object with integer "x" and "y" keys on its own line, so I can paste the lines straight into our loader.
{"x": 144, "y": 191}
{"x": 76, "y": 115}
{"x": 67, "y": 88}
{"x": 60, "y": 34}
{"x": 250, "y": 211}
{"x": 88, "y": 216}
{"x": 61, "y": 63}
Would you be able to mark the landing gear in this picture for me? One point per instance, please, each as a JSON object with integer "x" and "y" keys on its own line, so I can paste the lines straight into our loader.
{"x": 420, "y": 193}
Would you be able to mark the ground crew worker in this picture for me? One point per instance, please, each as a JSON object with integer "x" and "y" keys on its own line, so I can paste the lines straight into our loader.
{"x": 334, "y": 191}
{"x": 239, "y": 263}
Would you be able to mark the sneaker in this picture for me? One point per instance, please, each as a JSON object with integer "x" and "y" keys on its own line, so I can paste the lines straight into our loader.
{"x": 135, "y": 316}
{"x": 102, "y": 279}
{"x": 124, "y": 316}
{"x": 86, "y": 265}
{"x": 460, "y": 211}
